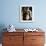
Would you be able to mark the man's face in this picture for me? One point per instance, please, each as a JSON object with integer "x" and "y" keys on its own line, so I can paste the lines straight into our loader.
{"x": 25, "y": 9}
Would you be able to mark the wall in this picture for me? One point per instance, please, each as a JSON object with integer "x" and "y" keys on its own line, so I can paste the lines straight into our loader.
{"x": 10, "y": 12}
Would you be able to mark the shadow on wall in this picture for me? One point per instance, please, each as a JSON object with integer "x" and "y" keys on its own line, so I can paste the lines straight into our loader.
{"x": 2, "y": 26}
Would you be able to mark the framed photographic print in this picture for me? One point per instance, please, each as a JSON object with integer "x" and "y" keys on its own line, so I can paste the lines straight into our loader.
{"x": 26, "y": 13}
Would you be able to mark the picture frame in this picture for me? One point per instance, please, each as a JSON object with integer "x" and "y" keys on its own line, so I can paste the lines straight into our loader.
{"x": 26, "y": 13}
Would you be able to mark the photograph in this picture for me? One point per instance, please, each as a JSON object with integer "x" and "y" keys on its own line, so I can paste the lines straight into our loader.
{"x": 26, "y": 14}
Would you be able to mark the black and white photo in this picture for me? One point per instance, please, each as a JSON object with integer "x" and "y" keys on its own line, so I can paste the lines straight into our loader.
{"x": 26, "y": 14}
